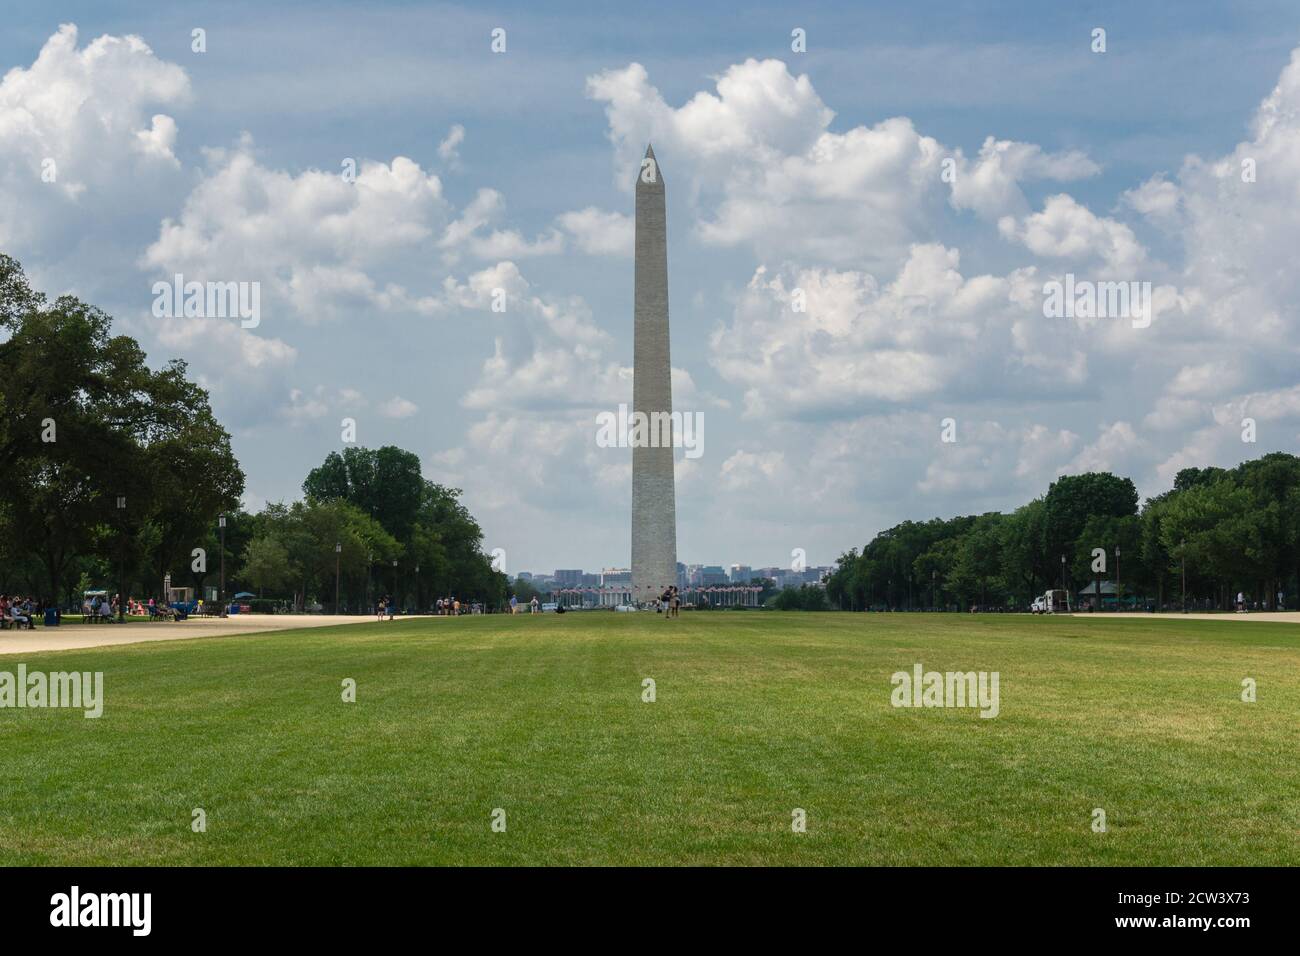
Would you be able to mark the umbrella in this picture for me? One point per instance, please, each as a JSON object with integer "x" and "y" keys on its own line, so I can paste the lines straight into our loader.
{"x": 243, "y": 594}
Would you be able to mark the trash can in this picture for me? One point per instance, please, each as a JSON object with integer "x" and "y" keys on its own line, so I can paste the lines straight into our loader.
{"x": 51, "y": 617}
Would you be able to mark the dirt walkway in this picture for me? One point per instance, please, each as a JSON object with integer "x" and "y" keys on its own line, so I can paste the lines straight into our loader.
{"x": 71, "y": 636}
{"x": 1267, "y": 617}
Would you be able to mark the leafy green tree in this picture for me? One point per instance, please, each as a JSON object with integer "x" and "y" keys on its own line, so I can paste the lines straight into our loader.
{"x": 434, "y": 530}
{"x": 267, "y": 565}
{"x": 843, "y": 587}
{"x": 1026, "y": 570}
{"x": 806, "y": 597}
{"x": 384, "y": 482}
{"x": 1213, "y": 527}
{"x": 1272, "y": 482}
{"x": 1073, "y": 499}
{"x": 1156, "y": 557}
{"x": 84, "y": 424}
{"x": 1108, "y": 532}
{"x": 976, "y": 562}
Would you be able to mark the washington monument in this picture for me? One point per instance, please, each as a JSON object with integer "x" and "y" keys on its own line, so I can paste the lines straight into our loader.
{"x": 654, "y": 504}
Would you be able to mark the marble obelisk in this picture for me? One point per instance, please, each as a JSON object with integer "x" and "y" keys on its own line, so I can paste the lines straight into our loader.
{"x": 654, "y": 505}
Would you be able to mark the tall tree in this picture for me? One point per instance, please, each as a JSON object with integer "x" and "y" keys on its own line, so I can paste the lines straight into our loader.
{"x": 384, "y": 482}
{"x": 86, "y": 424}
{"x": 1073, "y": 499}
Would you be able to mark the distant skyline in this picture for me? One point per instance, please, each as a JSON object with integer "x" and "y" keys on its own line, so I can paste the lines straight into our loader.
{"x": 859, "y": 240}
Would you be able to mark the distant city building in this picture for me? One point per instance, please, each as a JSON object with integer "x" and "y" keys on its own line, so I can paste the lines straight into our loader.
{"x": 616, "y": 577}
{"x": 785, "y": 578}
{"x": 712, "y": 575}
{"x": 688, "y": 576}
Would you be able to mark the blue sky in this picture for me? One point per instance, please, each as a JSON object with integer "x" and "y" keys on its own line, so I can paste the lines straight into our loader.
{"x": 817, "y": 170}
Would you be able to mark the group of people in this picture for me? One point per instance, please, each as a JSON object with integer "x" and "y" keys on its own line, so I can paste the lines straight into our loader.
{"x": 534, "y": 606}
{"x": 17, "y": 611}
{"x": 1245, "y": 604}
{"x": 99, "y": 609}
{"x": 670, "y": 602}
{"x": 443, "y": 607}
{"x": 96, "y": 609}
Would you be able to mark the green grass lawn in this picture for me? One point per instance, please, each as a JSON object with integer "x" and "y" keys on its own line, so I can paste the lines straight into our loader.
{"x": 756, "y": 714}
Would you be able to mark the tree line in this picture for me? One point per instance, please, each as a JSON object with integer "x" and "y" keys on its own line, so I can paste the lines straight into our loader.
{"x": 113, "y": 474}
{"x": 109, "y": 470}
{"x": 1218, "y": 532}
{"x": 370, "y": 525}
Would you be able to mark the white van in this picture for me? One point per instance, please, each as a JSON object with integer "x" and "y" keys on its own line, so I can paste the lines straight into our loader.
{"x": 1056, "y": 602}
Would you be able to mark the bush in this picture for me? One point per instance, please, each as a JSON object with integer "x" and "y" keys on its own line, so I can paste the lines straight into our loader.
{"x": 806, "y": 597}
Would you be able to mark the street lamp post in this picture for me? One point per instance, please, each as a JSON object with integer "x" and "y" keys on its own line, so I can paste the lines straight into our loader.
{"x": 418, "y": 603}
{"x": 1182, "y": 558}
{"x": 934, "y": 600}
{"x": 396, "y": 590}
{"x": 1063, "y": 587}
{"x": 1096, "y": 583}
{"x": 338, "y": 551}
{"x": 121, "y": 560}
{"x": 221, "y": 593}
{"x": 1117, "y": 590}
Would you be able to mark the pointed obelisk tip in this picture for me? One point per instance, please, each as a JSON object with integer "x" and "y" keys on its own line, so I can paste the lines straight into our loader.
{"x": 649, "y": 178}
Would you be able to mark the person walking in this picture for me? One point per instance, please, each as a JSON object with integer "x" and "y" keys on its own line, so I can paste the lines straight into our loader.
{"x": 514, "y": 604}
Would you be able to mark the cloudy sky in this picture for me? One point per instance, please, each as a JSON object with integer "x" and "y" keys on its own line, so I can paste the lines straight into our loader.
{"x": 914, "y": 178}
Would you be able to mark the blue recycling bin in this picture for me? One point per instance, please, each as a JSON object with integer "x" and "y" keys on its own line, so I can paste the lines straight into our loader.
{"x": 51, "y": 617}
